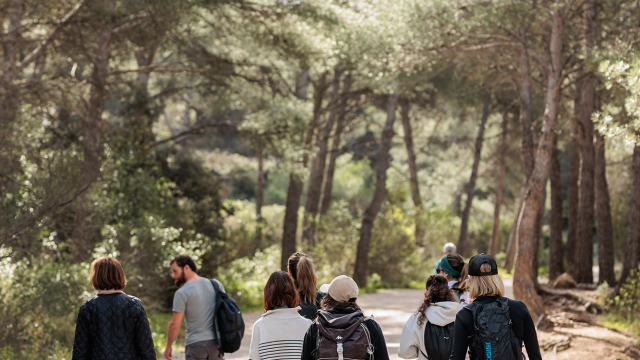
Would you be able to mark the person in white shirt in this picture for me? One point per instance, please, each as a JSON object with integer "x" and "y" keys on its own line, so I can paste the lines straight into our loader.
{"x": 279, "y": 333}
{"x": 439, "y": 308}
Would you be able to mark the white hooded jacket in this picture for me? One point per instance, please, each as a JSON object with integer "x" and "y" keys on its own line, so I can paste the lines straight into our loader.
{"x": 412, "y": 340}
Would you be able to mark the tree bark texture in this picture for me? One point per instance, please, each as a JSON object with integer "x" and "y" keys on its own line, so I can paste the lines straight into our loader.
{"x": 413, "y": 168}
{"x": 335, "y": 147}
{"x": 573, "y": 189}
{"x": 525, "y": 109}
{"x": 369, "y": 216}
{"x": 632, "y": 247}
{"x": 90, "y": 167}
{"x": 524, "y": 286}
{"x": 9, "y": 92}
{"x": 603, "y": 215}
{"x": 294, "y": 189}
{"x": 495, "y": 233}
{"x": 471, "y": 185}
{"x": 316, "y": 176}
{"x": 259, "y": 191}
{"x": 556, "y": 265}
{"x": 527, "y": 143}
{"x": 537, "y": 236}
{"x": 584, "y": 245}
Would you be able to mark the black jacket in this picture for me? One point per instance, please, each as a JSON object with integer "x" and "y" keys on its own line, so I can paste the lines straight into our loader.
{"x": 310, "y": 309}
{"x": 523, "y": 328}
{"x": 377, "y": 339}
{"x": 113, "y": 327}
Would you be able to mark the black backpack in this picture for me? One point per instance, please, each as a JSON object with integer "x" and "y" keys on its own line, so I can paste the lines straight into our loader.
{"x": 438, "y": 340}
{"x": 227, "y": 320}
{"x": 494, "y": 337}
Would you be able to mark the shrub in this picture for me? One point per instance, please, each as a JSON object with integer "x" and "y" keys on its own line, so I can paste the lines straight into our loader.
{"x": 39, "y": 303}
{"x": 624, "y": 307}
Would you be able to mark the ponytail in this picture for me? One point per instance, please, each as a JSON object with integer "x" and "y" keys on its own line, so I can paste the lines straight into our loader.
{"x": 307, "y": 280}
{"x": 304, "y": 274}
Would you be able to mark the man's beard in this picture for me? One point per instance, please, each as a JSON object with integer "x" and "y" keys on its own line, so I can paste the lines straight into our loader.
{"x": 181, "y": 280}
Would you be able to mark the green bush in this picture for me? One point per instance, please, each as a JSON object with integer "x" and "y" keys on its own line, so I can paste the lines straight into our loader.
{"x": 39, "y": 301}
{"x": 624, "y": 307}
{"x": 244, "y": 280}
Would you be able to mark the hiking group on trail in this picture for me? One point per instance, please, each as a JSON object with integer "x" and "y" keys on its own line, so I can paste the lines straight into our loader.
{"x": 464, "y": 311}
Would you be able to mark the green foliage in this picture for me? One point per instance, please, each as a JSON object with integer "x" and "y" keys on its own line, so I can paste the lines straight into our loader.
{"x": 374, "y": 282}
{"x": 39, "y": 301}
{"x": 245, "y": 278}
{"x": 624, "y": 307}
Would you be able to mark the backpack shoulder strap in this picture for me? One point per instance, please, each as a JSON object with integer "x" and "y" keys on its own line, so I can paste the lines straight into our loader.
{"x": 217, "y": 298}
{"x": 370, "y": 348}
{"x": 216, "y": 287}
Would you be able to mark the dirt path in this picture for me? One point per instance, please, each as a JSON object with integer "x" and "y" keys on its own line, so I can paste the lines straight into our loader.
{"x": 391, "y": 309}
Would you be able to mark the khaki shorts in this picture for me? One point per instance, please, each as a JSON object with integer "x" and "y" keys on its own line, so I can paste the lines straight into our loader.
{"x": 202, "y": 350}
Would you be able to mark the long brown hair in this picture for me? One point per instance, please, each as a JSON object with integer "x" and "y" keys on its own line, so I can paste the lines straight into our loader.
{"x": 437, "y": 291}
{"x": 304, "y": 273}
{"x": 280, "y": 291}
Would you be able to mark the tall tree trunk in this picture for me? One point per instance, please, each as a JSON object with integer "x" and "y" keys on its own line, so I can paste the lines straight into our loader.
{"x": 573, "y": 189}
{"x": 9, "y": 100}
{"x": 294, "y": 190}
{"x": 142, "y": 123}
{"x": 524, "y": 286}
{"x": 382, "y": 163}
{"x": 537, "y": 235}
{"x": 335, "y": 147}
{"x": 584, "y": 245}
{"x": 556, "y": 266}
{"x": 633, "y": 235}
{"x": 413, "y": 168}
{"x": 502, "y": 150}
{"x": 471, "y": 185}
{"x": 527, "y": 143}
{"x": 259, "y": 190}
{"x": 316, "y": 176}
{"x": 528, "y": 160}
{"x": 90, "y": 168}
{"x": 603, "y": 208}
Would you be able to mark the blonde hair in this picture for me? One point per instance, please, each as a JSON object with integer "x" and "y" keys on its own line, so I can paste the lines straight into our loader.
{"x": 485, "y": 285}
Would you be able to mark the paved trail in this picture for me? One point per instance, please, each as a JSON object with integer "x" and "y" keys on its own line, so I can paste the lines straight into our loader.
{"x": 390, "y": 308}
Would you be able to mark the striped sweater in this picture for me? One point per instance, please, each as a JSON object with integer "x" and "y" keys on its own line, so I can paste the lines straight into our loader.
{"x": 278, "y": 335}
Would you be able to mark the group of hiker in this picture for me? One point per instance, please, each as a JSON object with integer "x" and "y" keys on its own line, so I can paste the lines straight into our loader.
{"x": 463, "y": 310}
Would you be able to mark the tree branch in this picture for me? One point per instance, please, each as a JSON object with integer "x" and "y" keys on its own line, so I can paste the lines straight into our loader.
{"x": 40, "y": 48}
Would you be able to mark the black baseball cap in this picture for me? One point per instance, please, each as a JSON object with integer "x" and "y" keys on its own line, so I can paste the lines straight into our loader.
{"x": 476, "y": 262}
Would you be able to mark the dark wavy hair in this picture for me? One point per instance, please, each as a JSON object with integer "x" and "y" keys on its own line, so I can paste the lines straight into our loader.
{"x": 183, "y": 260}
{"x": 437, "y": 291}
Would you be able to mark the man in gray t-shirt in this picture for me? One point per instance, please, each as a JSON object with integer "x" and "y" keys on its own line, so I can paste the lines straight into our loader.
{"x": 195, "y": 301}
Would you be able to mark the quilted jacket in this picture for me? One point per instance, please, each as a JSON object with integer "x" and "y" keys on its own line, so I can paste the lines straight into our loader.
{"x": 113, "y": 327}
